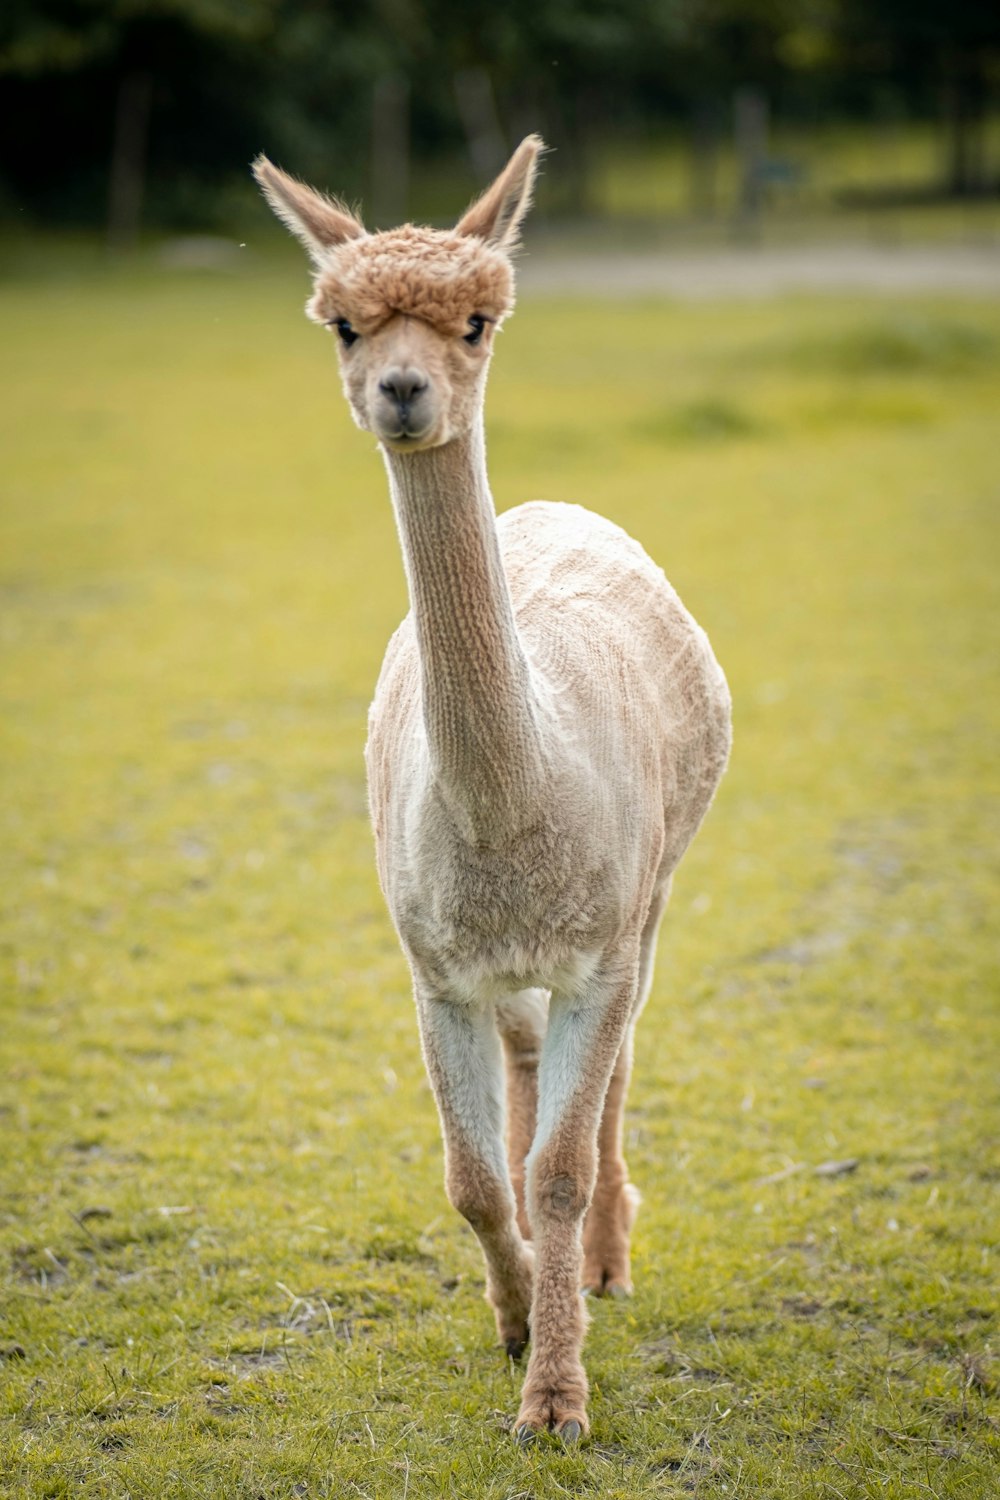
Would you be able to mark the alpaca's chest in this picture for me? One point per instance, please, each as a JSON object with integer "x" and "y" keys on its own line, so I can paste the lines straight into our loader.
{"x": 484, "y": 922}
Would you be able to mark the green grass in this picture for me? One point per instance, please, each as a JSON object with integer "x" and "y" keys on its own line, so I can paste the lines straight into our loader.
{"x": 228, "y": 1266}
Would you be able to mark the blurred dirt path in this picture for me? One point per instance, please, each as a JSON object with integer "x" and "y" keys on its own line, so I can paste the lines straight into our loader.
{"x": 972, "y": 270}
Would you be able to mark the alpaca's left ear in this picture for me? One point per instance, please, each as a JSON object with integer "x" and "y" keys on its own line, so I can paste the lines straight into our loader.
{"x": 496, "y": 217}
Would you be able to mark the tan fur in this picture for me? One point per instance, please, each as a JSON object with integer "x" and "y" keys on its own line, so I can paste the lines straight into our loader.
{"x": 548, "y": 731}
{"x": 423, "y": 273}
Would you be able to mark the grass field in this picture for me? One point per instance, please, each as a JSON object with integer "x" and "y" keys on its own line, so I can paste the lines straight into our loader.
{"x": 227, "y": 1263}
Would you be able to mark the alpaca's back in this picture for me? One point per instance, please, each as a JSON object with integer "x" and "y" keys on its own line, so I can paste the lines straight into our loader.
{"x": 633, "y": 674}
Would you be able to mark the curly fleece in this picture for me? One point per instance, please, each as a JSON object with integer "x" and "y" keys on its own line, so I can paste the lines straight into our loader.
{"x": 432, "y": 274}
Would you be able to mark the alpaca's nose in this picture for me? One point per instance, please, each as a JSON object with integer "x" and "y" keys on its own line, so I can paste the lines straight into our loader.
{"x": 403, "y": 386}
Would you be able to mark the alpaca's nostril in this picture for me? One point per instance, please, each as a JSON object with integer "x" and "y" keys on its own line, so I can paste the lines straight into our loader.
{"x": 402, "y": 386}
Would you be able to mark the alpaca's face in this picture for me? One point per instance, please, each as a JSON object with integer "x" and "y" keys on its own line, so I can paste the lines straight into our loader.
{"x": 414, "y": 309}
{"x": 411, "y": 384}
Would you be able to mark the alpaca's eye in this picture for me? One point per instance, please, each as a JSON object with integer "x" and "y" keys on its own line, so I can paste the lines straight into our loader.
{"x": 477, "y": 323}
{"x": 344, "y": 329}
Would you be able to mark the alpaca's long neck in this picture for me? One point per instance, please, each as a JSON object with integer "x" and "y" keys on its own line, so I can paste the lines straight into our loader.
{"x": 479, "y": 706}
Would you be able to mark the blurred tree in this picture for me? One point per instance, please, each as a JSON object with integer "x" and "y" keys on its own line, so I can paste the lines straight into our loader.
{"x": 84, "y": 77}
{"x": 152, "y": 108}
{"x": 951, "y": 51}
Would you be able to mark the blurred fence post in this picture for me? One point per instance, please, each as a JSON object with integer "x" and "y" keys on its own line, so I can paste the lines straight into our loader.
{"x": 750, "y": 123}
{"x": 128, "y": 159}
{"x": 390, "y": 164}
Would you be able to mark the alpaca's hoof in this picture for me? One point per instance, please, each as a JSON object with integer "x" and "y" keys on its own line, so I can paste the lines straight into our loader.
{"x": 620, "y": 1291}
{"x": 559, "y": 1408}
{"x": 569, "y": 1431}
{"x": 516, "y": 1346}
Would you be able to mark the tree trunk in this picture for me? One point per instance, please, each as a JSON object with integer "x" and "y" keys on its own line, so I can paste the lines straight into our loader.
{"x": 390, "y": 190}
{"x": 128, "y": 159}
{"x": 964, "y": 92}
{"x": 478, "y": 112}
{"x": 704, "y": 160}
{"x": 750, "y": 122}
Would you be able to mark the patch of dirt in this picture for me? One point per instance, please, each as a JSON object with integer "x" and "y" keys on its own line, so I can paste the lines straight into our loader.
{"x": 801, "y": 1306}
{"x": 869, "y": 862}
{"x": 38, "y": 1264}
{"x": 668, "y": 1360}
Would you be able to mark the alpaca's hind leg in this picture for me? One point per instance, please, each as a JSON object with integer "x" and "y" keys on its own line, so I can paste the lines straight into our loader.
{"x": 607, "y": 1230}
{"x": 521, "y": 1021}
{"x": 462, "y": 1052}
{"x": 585, "y": 1035}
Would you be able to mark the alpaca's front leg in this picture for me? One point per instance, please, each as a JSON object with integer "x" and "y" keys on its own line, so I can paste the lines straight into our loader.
{"x": 462, "y": 1052}
{"x": 584, "y": 1038}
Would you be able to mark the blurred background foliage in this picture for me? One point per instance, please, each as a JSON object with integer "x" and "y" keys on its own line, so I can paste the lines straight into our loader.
{"x": 144, "y": 113}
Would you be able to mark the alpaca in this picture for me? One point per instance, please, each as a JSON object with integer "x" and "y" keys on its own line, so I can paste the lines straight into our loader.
{"x": 548, "y": 731}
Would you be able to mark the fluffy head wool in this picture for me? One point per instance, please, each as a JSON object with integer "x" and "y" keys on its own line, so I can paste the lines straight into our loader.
{"x": 432, "y": 274}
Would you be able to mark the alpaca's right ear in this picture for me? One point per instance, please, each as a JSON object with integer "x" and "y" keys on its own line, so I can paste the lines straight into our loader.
{"x": 321, "y": 223}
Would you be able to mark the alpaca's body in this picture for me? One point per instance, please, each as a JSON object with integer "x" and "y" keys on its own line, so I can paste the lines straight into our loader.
{"x": 633, "y": 714}
{"x": 547, "y": 734}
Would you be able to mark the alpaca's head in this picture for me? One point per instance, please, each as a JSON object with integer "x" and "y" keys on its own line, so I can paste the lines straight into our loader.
{"x": 413, "y": 310}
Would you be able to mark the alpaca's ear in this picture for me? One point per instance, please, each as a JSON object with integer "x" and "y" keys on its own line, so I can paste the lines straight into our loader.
{"x": 496, "y": 216}
{"x": 321, "y": 223}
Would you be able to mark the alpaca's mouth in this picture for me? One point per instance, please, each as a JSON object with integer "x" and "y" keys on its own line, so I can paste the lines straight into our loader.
{"x": 406, "y": 439}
